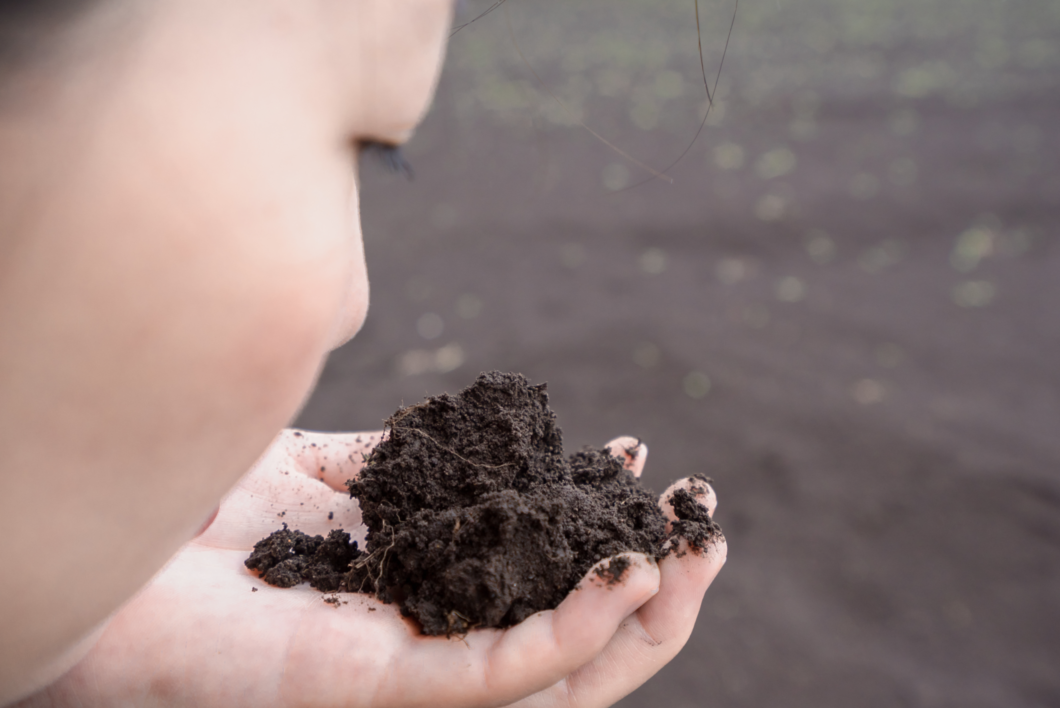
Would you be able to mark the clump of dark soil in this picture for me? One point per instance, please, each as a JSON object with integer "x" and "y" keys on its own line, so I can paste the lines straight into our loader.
{"x": 693, "y": 522}
{"x": 286, "y": 558}
{"x": 475, "y": 517}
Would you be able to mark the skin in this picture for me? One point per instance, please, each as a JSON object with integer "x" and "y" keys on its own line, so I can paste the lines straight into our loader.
{"x": 180, "y": 248}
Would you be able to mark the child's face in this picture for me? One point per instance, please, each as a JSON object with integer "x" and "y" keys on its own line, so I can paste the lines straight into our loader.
{"x": 215, "y": 175}
{"x": 181, "y": 242}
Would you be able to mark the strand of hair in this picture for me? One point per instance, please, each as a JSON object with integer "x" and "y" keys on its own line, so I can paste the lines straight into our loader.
{"x": 710, "y": 97}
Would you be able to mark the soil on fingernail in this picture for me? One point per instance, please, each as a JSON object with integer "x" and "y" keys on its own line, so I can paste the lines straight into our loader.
{"x": 613, "y": 571}
{"x": 693, "y": 522}
{"x": 477, "y": 519}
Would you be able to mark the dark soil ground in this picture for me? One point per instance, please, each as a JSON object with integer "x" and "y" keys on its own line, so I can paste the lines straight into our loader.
{"x": 884, "y": 446}
{"x": 477, "y": 519}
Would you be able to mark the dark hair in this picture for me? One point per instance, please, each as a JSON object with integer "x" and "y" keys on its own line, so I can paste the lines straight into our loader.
{"x": 29, "y": 28}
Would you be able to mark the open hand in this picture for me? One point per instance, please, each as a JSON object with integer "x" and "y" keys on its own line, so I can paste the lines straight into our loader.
{"x": 207, "y": 632}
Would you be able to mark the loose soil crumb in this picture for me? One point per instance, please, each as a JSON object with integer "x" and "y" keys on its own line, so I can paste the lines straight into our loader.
{"x": 286, "y": 558}
{"x": 334, "y": 600}
{"x": 475, "y": 517}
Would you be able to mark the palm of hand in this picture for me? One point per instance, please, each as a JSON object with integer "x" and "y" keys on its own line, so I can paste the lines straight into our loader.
{"x": 207, "y": 632}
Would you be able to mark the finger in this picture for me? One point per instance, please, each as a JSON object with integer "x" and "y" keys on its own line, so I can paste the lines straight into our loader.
{"x": 652, "y": 636}
{"x": 333, "y": 458}
{"x": 487, "y": 667}
{"x": 656, "y": 632}
{"x": 549, "y": 645}
{"x": 631, "y": 451}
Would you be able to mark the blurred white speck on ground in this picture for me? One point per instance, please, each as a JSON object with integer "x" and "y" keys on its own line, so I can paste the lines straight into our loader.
{"x": 440, "y": 361}
{"x": 468, "y": 306}
{"x": 884, "y": 255}
{"x": 653, "y": 261}
{"x": 732, "y": 270}
{"x": 957, "y": 614}
{"x": 771, "y": 207}
{"x": 696, "y": 385}
{"x": 775, "y": 163}
{"x": 924, "y": 80}
{"x": 728, "y": 156}
{"x": 571, "y": 255}
{"x": 790, "y": 289}
{"x": 647, "y": 355}
{"x": 820, "y": 247}
{"x": 867, "y": 392}
{"x": 972, "y": 246}
{"x": 974, "y": 293}
{"x": 430, "y": 325}
{"x": 669, "y": 84}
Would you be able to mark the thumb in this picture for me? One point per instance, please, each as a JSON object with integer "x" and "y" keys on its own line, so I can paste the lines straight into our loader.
{"x": 333, "y": 458}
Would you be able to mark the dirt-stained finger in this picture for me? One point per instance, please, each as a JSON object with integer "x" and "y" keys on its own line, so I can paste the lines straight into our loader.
{"x": 494, "y": 667}
{"x": 647, "y": 640}
{"x": 699, "y": 486}
{"x": 632, "y": 451}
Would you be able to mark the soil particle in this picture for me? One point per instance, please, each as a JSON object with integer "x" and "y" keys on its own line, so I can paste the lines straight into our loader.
{"x": 334, "y": 600}
{"x": 475, "y": 517}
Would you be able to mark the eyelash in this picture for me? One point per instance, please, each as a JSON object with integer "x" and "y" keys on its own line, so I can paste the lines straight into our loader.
{"x": 391, "y": 156}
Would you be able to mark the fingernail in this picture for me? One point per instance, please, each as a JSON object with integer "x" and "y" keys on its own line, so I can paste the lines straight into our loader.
{"x": 635, "y": 451}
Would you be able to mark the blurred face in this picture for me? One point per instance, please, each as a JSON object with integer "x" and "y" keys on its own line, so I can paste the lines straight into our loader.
{"x": 180, "y": 247}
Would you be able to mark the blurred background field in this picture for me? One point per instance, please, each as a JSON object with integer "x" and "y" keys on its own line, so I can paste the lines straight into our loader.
{"x": 845, "y": 309}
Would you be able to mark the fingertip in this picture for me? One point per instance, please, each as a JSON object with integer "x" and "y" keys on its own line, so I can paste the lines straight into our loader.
{"x": 699, "y": 486}
{"x": 632, "y": 451}
{"x": 631, "y": 571}
{"x": 696, "y": 566}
